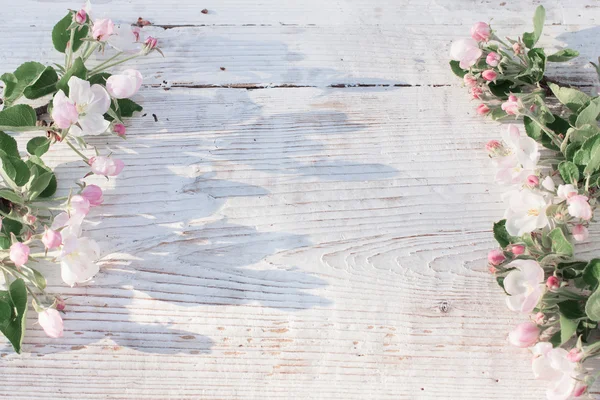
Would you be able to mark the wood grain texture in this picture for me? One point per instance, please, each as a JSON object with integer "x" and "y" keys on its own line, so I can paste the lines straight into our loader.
{"x": 291, "y": 243}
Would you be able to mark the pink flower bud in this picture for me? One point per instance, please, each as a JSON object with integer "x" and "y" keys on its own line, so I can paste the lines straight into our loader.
{"x": 489, "y": 75}
{"x": 580, "y": 233}
{"x": 517, "y": 249}
{"x": 150, "y": 43}
{"x": 580, "y": 389}
{"x": 80, "y": 17}
{"x": 553, "y": 283}
{"x": 106, "y": 166}
{"x": 119, "y": 129}
{"x": 511, "y": 106}
{"x": 482, "y": 109}
{"x": 496, "y": 257}
{"x": 493, "y": 147}
{"x": 517, "y": 48}
{"x": 125, "y": 84}
{"x": 79, "y": 205}
{"x": 93, "y": 194}
{"x": 60, "y": 304}
{"x": 102, "y": 29}
{"x": 470, "y": 80}
{"x": 52, "y": 239}
{"x": 19, "y": 253}
{"x": 136, "y": 33}
{"x": 30, "y": 219}
{"x": 481, "y": 32}
{"x": 493, "y": 59}
{"x": 524, "y": 335}
{"x": 575, "y": 355}
{"x": 476, "y": 92}
{"x": 52, "y": 323}
{"x": 533, "y": 180}
{"x": 539, "y": 318}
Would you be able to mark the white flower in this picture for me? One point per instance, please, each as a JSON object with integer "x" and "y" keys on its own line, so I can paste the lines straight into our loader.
{"x": 548, "y": 184}
{"x": 78, "y": 259}
{"x": 521, "y": 154}
{"x": 466, "y": 51}
{"x": 525, "y": 285}
{"x": 579, "y": 207}
{"x": 83, "y": 111}
{"x": 125, "y": 38}
{"x": 551, "y": 364}
{"x": 71, "y": 224}
{"x": 526, "y": 212}
{"x": 565, "y": 191}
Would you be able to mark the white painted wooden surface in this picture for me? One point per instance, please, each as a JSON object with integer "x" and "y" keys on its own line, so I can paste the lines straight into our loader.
{"x": 296, "y": 241}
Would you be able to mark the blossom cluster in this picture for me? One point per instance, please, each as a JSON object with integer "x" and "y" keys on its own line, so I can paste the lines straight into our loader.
{"x": 81, "y": 100}
{"x": 552, "y": 174}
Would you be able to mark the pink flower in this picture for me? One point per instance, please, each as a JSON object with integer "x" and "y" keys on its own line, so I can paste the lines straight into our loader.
{"x": 493, "y": 59}
{"x": 481, "y": 32}
{"x": 553, "y": 283}
{"x": 476, "y": 93}
{"x": 539, "y": 318}
{"x": 119, "y": 129}
{"x": 106, "y": 166}
{"x": 496, "y": 257}
{"x": 19, "y": 253}
{"x": 482, "y": 109}
{"x": 64, "y": 111}
{"x": 150, "y": 43}
{"x": 469, "y": 80}
{"x": 102, "y": 29}
{"x": 532, "y": 180}
{"x": 93, "y": 194}
{"x": 52, "y": 239}
{"x": 524, "y": 335}
{"x": 80, "y": 17}
{"x": 517, "y": 249}
{"x": 511, "y": 106}
{"x": 52, "y": 323}
{"x": 78, "y": 259}
{"x": 551, "y": 364}
{"x": 580, "y": 389}
{"x": 124, "y": 85}
{"x": 579, "y": 207}
{"x": 575, "y": 355}
{"x": 489, "y": 75}
{"x": 79, "y": 205}
{"x": 580, "y": 233}
{"x": 466, "y": 52}
{"x": 30, "y": 219}
{"x": 517, "y": 48}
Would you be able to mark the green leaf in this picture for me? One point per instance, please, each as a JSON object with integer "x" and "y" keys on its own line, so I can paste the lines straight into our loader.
{"x": 555, "y": 339}
{"x": 458, "y": 71}
{"x": 591, "y": 273}
{"x": 78, "y": 69}
{"x": 530, "y": 39}
{"x": 45, "y": 84}
{"x": 572, "y": 98}
{"x": 21, "y": 115}
{"x": 9, "y": 226}
{"x": 10, "y": 84}
{"x": 14, "y": 327}
{"x": 52, "y": 186}
{"x": 9, "y": 145}
{"x": 40, "y": 179}
{"x": 563, "y": 55}
{"x": 580, "y": 135}
{"x": 535, "y": 132}
{"x": 560, "y": 244}
{"x": 569, "y": 172}
{"x": 502, "y": 89}
{"x": 589, "y": 114}
{"x": 567, "y": 329}
{"x": 128, "y": 107}
{"x": 61, "y": 34}
{"x": 34, "y": 276}
{"x": 11, "y": 196}
{"x": 14, "y": 168}
{"x": 38, "y": 146}
{"x": 25, "y": 75}
{"x": 500, "y": 233}
{"x": 99, "y": 79}
{"x": 536, "y": 66}
{"x": 592, "y": 306}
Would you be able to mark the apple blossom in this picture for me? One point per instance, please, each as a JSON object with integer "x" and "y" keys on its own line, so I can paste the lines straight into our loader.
{"x": 580, "y": 389}
{"x": 481, "y": 32}
{"x": 539, "y": 318}
{"x": 551, "y": 364}
{"x": 564, "y": 192}
{"x": 19, "y": 253}
{"x": 482, "y": 109}
{"x": 124, "y": 85}
{"x": 60, "y": 304}
{"x": 80, "y": 17}
{"x": 476, "y": 93}
{"x": 107, "y": 166}
{"x": 469, "y": 80}
{"x": 149, "y": 44}
{"x": 511, "y": 106}
{"x": 496, "y": 257}
{"x": 580, "y": 233}
{"x": 489, "y": 75}
{"x": 526, "y": 212}
{"x": 466, "y": 52}
{"x": 553, "y": 283}
{"x": 494, "y": 148}
{"x": 125, "y": 38}
{"x": 79, "y": 205}
{"x": 525, "y": 334}
{"x": 548, "y": 184}
{"x": 119, "y": 129}
{"x": 77, "y": 259}
{"x": 52, "y": 239}
{"x": 69, "y": 225}
{"x": 579, "y": 207}
{"x": 532, "y": 180}
{"x": 524, "y": 285}
{"x": 575, "y": 355}
{"x": 102, "y": 29}
{"x": 93, "y": 194}
{"x": 52, "y": 323}
{"x": 517, "y": 249}
{"x": 520, "y": 159}
{"x": 493, "y": 59}
{"x": 517, "y": 48}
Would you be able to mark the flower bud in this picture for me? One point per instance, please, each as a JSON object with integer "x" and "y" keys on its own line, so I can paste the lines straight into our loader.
{"x": 532, "y": 180}
{"x": 489, "y": 75}
{"x": 80, "y": 17}
{"x": 496, "y": 257}
{"x": 539, "y": 318}
{"x": 149, "y": 44}
{"x": 575, "y": 355}
{"x": 493, "y": 59}
{"x": 517, "y": 249}
{"x": 553, "y": 283}
{"x": 481, "y": 32}
{"x": 120, "y": 130}
{"x": 580, "y": 233}
{"x": 101, "y": 165}
{"x": 52, "y": 323}
{"x": 470, "y": 80}
{"x": 19, "y": 253}
{"x": 30, "y": 219}
{"x": 511, "y": 106}
{"x": 517, "y": 48}
{"x": 525, "y": 334}
{"x": 125, "y": 84}
{"x": 60, "y": 304}
{"x": 93, "y": 194}
{"x": 548, "y": 184}
{"x": 482, "y": 109}
{"x": 52, "y": 239}
{"x": 580, "y": 389}
{"x": 79, "y": 205}
{"x": 476, "y": 92}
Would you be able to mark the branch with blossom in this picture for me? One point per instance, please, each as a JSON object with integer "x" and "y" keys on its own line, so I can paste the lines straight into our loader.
{"x": 551, "y": 200}
{"x": 81, "y": 100}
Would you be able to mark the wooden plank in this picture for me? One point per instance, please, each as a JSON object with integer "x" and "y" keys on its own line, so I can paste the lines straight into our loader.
{"x": 260, "y": 56}
{"x": 287, "y": 244}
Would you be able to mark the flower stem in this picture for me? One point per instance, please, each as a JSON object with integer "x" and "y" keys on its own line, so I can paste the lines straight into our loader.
{"x": 89, "y": 51}
{"x": 70, "y": 50}
{"x": 77, "y": 151}
{"x": 101, "y": 67}
{"x": 550, "y": 133}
